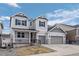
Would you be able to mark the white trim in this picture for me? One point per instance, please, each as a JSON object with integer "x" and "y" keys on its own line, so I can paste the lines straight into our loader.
{"x": 57, "y": 27}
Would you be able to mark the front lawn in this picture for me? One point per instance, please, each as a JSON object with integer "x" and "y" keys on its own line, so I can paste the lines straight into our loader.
{"x": 23, "y": 51}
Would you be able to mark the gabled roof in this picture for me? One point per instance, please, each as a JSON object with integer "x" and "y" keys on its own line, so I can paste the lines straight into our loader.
{"x": 50, "y": 27}
{"x": 20, "y": 14}
{"x": 64, "y": 27}
{"x": 53, "y": 27}
{"x": 40, "y": 17}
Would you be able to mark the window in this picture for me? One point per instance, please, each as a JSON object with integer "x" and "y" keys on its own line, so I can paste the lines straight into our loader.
{"x": 21, "y": 22}
{"x": 20, "y": 35}
{"x": 18, "y": 22}
{"x": 24, "y": 22}
{"x": 42, "y": 24}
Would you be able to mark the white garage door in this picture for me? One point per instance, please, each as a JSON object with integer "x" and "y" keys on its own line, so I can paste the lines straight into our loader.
{"x": 42, "y": 39}
{"x": 56, "y": 40}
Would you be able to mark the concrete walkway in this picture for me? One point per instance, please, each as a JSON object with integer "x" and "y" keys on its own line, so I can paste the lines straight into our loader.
{"x": 61, "y": 50}
{"x": 7, "y": 52}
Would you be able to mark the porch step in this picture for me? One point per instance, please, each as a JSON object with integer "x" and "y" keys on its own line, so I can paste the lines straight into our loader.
{"x": 20, "y": 45}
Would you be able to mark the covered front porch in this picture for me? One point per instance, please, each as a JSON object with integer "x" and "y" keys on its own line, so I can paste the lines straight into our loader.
{"x": 24, "y": 36}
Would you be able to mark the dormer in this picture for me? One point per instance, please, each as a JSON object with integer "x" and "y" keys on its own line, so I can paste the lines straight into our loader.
{"x": 40, "y": 24}
{"x": 20, "y": 21}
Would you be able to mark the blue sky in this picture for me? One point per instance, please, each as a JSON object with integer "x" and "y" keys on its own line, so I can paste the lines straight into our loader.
{"x": 55, "y": 13}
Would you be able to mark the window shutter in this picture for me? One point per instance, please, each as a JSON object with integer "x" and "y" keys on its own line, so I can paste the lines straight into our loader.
{"x": 16, "y": 22}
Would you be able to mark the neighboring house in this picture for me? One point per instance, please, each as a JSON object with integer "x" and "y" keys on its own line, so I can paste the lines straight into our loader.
{"x": 1, "y": 27}
{"x": 56, "y": 35}
{"x": 73, "y": 35}
{"x": 6, "y": 39}
{"x": 71, "y": 32}
{"x": 65, "y": 27}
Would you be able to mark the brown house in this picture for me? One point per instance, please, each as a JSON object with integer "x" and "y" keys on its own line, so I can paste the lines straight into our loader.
{"x": 73, "y": 35}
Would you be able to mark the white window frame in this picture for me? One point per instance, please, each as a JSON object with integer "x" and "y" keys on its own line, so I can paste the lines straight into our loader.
{"x": 43, "y": 24}
{"x": 22, "y": 22}
{"x": 20, "y": 33}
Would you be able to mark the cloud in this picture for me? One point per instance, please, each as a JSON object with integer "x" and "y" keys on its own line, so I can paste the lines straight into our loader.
{"x": 63, "y": 16}
{"x": 4, "y": 18}
{"x": 14, "y": 5}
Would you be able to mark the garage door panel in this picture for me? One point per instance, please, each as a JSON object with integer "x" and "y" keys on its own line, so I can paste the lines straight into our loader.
{"x": 56, "y": 39}
{"x": 42, "y": 39}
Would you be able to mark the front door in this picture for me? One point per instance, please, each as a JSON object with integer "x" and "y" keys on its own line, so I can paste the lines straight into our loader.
{"x": 33, "y": 37}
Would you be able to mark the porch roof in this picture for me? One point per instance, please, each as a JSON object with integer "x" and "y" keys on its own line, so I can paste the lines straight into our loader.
{"x": 27, "y": 30}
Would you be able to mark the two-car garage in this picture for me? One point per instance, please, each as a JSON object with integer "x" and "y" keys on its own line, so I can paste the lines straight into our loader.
{"x": 56, "y": 40}
{"x": 53, "y": 39}
{"x": 56, "y": 36}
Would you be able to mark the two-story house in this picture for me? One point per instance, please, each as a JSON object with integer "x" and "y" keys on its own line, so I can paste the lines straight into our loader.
{"x": 20, "y": 29}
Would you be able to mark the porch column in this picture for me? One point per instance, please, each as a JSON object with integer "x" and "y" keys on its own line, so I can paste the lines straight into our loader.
{"x": 49, "y": 39}
{"x": 29, "y": 37}
{"x": 64, "y": 39}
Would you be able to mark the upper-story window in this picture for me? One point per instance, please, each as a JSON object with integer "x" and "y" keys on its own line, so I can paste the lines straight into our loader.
{"x": 42, "y": 24}
{"x": 17, "y": 22}
{"x": 21, "y": 22}
{"x": 24, "y": 22}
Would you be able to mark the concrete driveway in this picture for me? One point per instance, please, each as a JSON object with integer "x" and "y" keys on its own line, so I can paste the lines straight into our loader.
{"x": 62, "y": 50}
